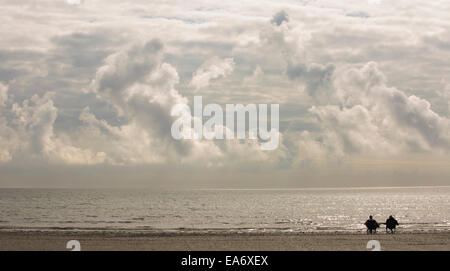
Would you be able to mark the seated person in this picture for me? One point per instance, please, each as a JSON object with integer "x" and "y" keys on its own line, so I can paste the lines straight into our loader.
{"x": 391, "y": 223}
{"x": 371, "y": 225}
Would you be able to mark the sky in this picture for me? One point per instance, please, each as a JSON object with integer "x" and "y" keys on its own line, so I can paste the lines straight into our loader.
{"x": 87, "y": 88}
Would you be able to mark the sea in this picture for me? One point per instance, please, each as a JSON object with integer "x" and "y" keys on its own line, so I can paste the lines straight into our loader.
{"x": 417, "y": 209}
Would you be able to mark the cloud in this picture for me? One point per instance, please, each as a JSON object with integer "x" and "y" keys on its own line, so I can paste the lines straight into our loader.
{"x": 372, "y": 118}
{"x": 3, "y": 94}
{"x": 136, "y": 83}
{"x": 142, "y": 88}
{"x": 91, "y": 86}
{"x": 27, "y": 132}
{"x": 290, "y": 44}
{"x": 256, "y": 75}
{"x": 360, "y": 14}
{"x": 5, "y": 132}
{"x": 318, "y": 78}
{"x": 445, "y": 95}
{"x": 280, "y": 17}
{"x": 75, "y": 2}
{"x": 439, "y": 40}
{"x": 213, "y": 68}
{"x": 374, "y": 2}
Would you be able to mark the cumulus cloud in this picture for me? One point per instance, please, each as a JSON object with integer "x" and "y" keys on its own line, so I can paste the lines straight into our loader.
{"x": 372, "y": 118}
{"x": 211, "y": 69}
{"x": 346, "y": 85}
{"x": 142, "y": 88}
{"x": 28, "y": 133}
{"x": 290, "y": 44}
{"x": 355, "y": 111}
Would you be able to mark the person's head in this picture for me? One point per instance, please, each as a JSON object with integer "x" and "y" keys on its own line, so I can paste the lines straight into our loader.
{"x": 370, "y": 217}
{"x": 391, "y": 216}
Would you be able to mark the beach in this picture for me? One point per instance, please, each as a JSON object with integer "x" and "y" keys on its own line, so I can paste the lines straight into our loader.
{"x": 144, "y": 241}
{"x": 319, "y": 219}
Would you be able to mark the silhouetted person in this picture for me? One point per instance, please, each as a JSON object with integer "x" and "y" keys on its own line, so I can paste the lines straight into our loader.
{"x": 391, "y": 223}
{"x": 371, "y": 225}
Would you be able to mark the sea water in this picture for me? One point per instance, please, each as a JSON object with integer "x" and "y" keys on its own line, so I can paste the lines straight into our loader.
{"x": 418, "y": 209}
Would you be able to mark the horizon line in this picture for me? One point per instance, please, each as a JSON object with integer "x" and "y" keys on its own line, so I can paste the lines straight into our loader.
{"x": 242, "y": 189}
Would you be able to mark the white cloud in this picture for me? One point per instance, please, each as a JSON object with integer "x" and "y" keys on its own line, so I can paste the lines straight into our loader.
{"x": 313, "y": 58}
{"x": 74, "y": 2}
{"x": 142, "y": 88}
{"x": 211, "y": 69}
{"x": 373, "y": 119}
{"x": 29, "y": 134}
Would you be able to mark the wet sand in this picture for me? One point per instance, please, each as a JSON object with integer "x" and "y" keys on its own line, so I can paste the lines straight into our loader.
{"x": 57, "y": 240}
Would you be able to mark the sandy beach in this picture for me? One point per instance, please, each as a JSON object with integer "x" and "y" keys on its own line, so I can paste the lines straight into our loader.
{"x": 57, "y": 240}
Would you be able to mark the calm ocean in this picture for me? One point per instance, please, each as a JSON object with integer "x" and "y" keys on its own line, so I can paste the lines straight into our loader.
{"x": 304, "y": 210}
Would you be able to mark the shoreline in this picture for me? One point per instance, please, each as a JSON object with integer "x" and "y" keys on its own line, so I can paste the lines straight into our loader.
{"x": 149, "y": 231}
{"x": 17, "y": 240}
